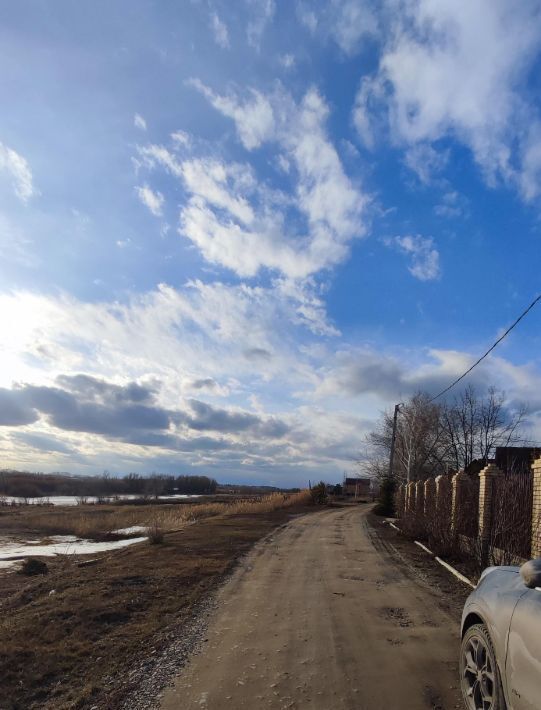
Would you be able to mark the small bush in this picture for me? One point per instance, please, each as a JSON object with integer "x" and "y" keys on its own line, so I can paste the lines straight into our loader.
{"x": 31, "y": 566}
{"x": 385, "y": 504}
{"x": 155, "y": 533}
{"x": 319, "y": 494}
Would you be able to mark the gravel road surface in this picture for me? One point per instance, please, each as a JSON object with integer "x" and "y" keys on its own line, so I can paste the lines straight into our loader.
{"x": 320, "y": 615}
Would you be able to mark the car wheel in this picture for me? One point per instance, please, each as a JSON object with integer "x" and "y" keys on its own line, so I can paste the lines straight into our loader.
{"x": 479, "y": 676}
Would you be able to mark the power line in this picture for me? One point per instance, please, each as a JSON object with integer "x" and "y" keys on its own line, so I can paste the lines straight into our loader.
{"x": 521, "y": 316}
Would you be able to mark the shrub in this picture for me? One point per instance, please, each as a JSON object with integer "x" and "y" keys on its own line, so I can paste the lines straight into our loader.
{"x": 385, "y": 504}
{"x": 31, "y": 566}
{"x": 319, "y": 494}
{"x": 155, "y": 533}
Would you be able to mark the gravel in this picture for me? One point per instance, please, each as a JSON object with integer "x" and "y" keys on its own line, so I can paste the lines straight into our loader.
{"x": 151, "y": 675}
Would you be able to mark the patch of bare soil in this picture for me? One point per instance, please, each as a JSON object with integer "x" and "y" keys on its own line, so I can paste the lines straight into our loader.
{"x": 71, "y": 638}
{"x": 420, "y": 565}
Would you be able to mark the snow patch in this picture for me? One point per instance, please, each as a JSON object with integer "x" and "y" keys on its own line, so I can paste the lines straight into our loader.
{"x": 134, "y": 529}
{"x": 10, "y": 551}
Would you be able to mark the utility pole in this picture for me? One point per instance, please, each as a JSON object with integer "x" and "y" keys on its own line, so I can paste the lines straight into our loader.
{"x": 393, "y": 439}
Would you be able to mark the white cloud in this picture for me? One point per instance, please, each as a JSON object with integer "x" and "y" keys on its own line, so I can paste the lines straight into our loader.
{"x": 253, "y": 117}
{"x": 371, "y": 92}
{"x": 153, "y": 200}
{"x": 425, "y": 258}
{"x": 346, "y": 22}
{"x": 19, "y": 171}
{"x": 456, "y": 69}
{"x": 307, "y": 17}
{"x": 181, "y": 139}
{"x": 139, "y": 122}
{"x": 152, "y": 154}
{"x": 219, "y": 29}
{"x": 240, "y": 344}
{"x": 262, "y": 13}
{"x": 287, "y": 60}
{"x": 260, "y": 235}
{"x": 452, "y": 204}
{"x": 426, "y": 161}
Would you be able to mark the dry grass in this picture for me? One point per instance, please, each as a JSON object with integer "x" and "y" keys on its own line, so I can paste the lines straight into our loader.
{"x": 98, "y": 523}
{"x": 76, "y": 647}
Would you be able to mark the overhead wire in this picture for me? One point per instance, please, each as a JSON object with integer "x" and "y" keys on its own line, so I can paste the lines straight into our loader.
{"x": 517, "y": 321}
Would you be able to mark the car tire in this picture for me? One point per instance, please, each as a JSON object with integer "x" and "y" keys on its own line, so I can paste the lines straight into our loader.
{"x": 480, "y": 680}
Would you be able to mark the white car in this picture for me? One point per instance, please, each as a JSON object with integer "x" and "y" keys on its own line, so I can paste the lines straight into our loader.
{"x": 500, "y": 656}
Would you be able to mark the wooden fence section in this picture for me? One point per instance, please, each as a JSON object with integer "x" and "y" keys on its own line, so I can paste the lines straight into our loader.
{"x": 497, "y": 515}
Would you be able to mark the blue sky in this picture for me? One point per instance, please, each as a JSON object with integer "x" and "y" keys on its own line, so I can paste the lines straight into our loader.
{"x": 232, "y": 233}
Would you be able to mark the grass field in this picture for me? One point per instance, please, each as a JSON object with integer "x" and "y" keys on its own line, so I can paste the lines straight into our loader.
{"x": 66, "y": 634}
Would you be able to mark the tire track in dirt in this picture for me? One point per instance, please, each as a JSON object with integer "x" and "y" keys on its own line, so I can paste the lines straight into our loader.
{"x": 324, "y": 616}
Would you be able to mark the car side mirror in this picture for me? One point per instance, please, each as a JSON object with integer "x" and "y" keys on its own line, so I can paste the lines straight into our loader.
{"x": 531, "y": 573}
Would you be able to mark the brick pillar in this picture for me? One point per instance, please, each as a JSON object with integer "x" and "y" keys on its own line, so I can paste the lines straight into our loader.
{"x": 536, "y": 509}
{"x": 420, "y": 498}
{"x": 459, "y": 482}
{"x": 486, "y": 487}
{"x": 430, "y": 495}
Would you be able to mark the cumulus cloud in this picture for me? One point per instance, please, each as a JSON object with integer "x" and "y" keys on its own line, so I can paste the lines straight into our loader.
{"x": 137, "y": 375}
{"x": 207, "y": 417}
{"x": 13, "y": 411}
{"x": 425, "y": 258}
{"x": 111, "y": 417}
{"x": 358, "y": 372}
{"x": 16, "y": 167}
{"x": 456, "y": 69}
{"x": 127, "y": 412}
{"x": 242, "y": 224}
{"x": 153, "y": 200}
{"x": 219, "y": 30}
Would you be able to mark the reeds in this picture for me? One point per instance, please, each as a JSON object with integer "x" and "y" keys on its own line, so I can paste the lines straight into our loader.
{"x": 100, "y": 524}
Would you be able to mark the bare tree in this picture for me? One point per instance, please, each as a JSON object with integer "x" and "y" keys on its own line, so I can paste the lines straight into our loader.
{"x": 475, "y": 425}
{"x": 419, "y": 444}
{"x": 433, "y": 438}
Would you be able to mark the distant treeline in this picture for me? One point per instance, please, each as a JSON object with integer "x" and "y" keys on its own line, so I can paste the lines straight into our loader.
{"x": 241, "y": 489}
{"x": 32, "y": 485}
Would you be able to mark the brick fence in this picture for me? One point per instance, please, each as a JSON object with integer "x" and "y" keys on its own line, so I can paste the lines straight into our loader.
{"x": 475, "y": 508}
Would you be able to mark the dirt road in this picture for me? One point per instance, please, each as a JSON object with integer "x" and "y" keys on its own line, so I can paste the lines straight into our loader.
{"x": 321, "y": 616}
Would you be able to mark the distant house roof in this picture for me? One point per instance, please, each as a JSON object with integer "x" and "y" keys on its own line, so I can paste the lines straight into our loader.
{"x": 355, "y": 481}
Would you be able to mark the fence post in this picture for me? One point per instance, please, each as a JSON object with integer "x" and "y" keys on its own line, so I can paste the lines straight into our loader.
{"x": 430, "y": 493}
{"x": 419, "y": 498}
{"x": 440, "y": 483}
{"x": 486, "y": 491}
{"x": 459, "y": 480}
{"x": 536, "y": 509}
